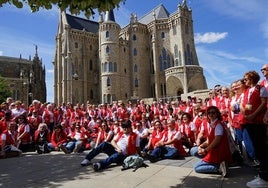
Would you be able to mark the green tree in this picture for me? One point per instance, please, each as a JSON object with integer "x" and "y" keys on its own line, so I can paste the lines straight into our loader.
{"x": 4, "y": 91}
{"x": 74, "y": 6}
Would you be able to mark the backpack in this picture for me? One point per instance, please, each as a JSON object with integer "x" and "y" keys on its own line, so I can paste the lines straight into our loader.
{"x": 133, "y": 161}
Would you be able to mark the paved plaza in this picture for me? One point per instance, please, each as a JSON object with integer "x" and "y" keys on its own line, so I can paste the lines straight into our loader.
{"x": 59, "y": 170}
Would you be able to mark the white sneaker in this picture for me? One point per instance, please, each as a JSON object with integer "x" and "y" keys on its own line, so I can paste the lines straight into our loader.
{"x": 85, "y": 162}
{"x": 257, "y": 183}
{"x": 223, "y": 169}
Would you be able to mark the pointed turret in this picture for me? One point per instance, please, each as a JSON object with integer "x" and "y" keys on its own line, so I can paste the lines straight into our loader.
{"x": 109, "y": 16}
{"x": 184, "y": 4}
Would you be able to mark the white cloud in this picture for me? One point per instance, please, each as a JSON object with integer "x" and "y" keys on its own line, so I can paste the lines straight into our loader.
{"x": 221, "y": 67}
{"x": 264, "y": 28}
{"x": 251, "y": 9}
{"x": 1, "y": 53}
{"x": 210, "y": 37}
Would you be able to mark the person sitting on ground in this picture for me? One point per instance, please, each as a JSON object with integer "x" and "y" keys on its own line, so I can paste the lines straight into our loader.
{"x": 188, "y": 130}
{"x": 215, "y": 149}
{"x": 42, "y": 138}
{"x": 24, "y": 136}
{"x": 9, "y": 141}
{"x": 124, "y": 144}
{"x": 143, "y": 133}
{"x": 154, "y": 137}
{"x": 105, "y": 134}
{"x": 58, "y": 140}
{"x": 76, "y": 139}
{"x": 170, "y": 146}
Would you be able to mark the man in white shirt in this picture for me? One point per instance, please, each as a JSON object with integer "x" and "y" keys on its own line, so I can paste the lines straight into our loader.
{"x": 124, "y": 144}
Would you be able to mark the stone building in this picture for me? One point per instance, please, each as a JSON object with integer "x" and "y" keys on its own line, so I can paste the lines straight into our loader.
{"x": 25, "y": 78}
{"x": 151, "y": 57}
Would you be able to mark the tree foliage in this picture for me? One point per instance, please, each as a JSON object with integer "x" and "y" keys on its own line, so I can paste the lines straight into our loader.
{"x": 4, "y": 91}
{"x": 74, "y": 6}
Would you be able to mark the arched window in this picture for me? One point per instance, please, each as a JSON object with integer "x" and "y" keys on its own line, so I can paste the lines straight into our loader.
{"x": 176, "y": 62}
{"x": 108, "y": 82}
{"x": 91, "y": 94}
{"x": 105, "y": 67}
{"x": 136, "y": 82}
{"x": 134, "y": 37}
{"x": 104, "y": 98}
{"x": 165, "y": 65}
{"x": 188, "y": 55}
{"x": 160, "y": 63}
{"x": 109, "y": 100}
{"x": 107, "y": 49}
{"x": 110, "y": 67}
{"x": 168, "y": 61}
{"x": 90, "y": 65}
{"x": 164, "y": 53}
{"x": 76, "y": 45}
{"x": 174, "y": 30}
{"x": 135, "y": 52}
{"x": 115, "y": 67}
{"x": 135, "y": 68}
{"x": 162, "y": 35}
{"x": 107, "y": 34}
{"x": 73, "y": 68}
{"x": 90, "y": 47}
{"x": 186, "y": 27}
{"x": 176, "y": 51}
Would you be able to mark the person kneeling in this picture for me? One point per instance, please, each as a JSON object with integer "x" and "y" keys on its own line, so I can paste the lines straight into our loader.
{"x": 215, "y": 150}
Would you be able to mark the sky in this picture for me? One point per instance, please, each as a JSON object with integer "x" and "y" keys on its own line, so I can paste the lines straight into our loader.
{"x": 231, "y": 37}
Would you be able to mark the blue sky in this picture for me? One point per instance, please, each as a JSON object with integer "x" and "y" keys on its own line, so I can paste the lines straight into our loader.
{"x": 231, "y": 36}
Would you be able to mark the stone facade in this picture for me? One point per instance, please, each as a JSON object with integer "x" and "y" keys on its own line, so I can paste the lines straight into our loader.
{"x": 25, "y": 78}
{"x": 151, "y": 57}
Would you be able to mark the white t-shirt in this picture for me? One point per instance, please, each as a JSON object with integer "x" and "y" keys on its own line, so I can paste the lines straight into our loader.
{"x": 218, "y": 128}
{"x": 123, "y": 142}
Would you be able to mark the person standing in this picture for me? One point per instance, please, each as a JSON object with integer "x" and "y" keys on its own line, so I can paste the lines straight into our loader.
{"x": 258, "y": 130}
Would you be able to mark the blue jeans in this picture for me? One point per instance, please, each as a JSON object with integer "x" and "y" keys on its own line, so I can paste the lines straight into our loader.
{"x": 105, "y": 147}
{"x": 52, "y": 148}
{"x": 165, "y": 152}
{"x": 194, "y": 152}
{"x": 248, "y": 144}
{"x": 204, "y": 167}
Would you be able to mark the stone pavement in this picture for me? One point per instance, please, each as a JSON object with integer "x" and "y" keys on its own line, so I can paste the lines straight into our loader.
{"x": 59, "y": 170}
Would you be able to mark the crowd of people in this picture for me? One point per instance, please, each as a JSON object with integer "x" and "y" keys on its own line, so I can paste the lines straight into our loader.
{"x": 227, "y": 128}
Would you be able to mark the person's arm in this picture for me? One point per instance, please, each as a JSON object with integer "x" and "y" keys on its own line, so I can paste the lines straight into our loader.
{"x": 253, "y": 115}
{"x": 109, "y": 136}
{"x": 114, "y": 144}
{"x": 98, "y": 139}
{"x": 149, "y": 143}
{"x": 26, "y": 131}
{"x": 174, "y": 139}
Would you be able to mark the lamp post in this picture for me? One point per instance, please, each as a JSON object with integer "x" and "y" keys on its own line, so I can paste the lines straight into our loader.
{"x": 30, "y": 94}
